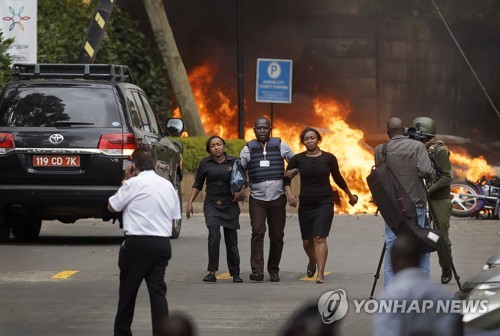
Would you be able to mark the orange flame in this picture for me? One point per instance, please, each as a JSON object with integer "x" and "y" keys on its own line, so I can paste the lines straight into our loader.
{"x": 216, "y": 111}
{"x": 219, "y": 116}
{"x": 471, "y": 168}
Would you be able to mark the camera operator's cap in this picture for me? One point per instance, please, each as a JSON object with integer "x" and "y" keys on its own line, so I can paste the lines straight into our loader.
{"x": 425, "y": 125}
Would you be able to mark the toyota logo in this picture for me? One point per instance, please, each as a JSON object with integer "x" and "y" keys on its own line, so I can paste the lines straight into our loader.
{"x": 56, "y": 139}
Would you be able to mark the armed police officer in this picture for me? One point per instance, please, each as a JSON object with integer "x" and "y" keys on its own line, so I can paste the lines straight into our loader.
{"x": 439, "y": 188}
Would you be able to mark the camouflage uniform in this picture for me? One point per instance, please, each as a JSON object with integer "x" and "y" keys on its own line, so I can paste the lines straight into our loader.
{"x": 439, "y": 194}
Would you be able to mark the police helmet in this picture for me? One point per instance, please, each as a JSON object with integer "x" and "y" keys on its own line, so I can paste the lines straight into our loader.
{"x": 425, "y": 125}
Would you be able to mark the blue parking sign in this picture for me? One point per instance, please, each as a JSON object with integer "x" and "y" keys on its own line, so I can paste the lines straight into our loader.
{"x": 274, "y": 81}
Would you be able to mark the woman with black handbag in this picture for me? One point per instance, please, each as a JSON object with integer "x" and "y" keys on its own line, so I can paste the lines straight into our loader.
{"x": 220, "y": 207}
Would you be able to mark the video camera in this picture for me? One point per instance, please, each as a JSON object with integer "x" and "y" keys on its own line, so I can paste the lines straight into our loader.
{"x": 415, "y": 133}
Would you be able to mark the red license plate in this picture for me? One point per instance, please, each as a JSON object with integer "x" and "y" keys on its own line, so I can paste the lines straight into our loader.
{"x": 56, "y": 161}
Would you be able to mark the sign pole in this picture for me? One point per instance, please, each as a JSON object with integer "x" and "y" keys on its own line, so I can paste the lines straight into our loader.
{"x": 272, "y": 115}
{"x": 239, "y": 52}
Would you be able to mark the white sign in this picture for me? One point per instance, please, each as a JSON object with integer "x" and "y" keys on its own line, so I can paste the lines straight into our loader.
{"x": 19, "y": 21}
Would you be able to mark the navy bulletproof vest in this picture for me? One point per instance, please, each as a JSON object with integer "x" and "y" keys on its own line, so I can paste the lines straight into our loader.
{"x": 256, "y": 173}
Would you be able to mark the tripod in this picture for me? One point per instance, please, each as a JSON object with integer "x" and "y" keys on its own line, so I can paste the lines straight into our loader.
{"x": 442, "y": 243}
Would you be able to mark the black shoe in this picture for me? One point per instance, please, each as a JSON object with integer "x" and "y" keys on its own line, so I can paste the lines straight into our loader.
{"x": 274, "y": 277}
{"x": 237, "y": 279}
{"x": 210, "y": 278}
{"x": 311, "y": 270}
{"x": 446, "y": 275}
{"x": 257, "y": 276}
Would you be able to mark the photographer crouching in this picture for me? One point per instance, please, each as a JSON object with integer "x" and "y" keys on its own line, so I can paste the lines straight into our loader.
{"x": 424, "y": 130}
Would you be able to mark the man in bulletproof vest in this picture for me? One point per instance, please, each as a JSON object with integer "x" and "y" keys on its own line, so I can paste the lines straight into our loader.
{"x": 439, "y": 188}
{"x": 263, "y": 158}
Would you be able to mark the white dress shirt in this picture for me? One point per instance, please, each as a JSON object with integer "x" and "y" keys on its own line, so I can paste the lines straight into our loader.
{"x": 149, "y": 203}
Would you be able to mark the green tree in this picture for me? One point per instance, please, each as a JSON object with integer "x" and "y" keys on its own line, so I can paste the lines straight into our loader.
{"x": 62, "y": 26}
{"x": 5, "y": 60}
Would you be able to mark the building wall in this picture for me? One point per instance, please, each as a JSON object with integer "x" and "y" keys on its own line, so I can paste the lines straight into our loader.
{"x": 409, "y": 68}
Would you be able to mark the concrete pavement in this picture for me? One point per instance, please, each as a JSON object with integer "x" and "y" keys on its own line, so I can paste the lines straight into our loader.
{"x": 355, "y": 245}
{"x": 85, "y": 303}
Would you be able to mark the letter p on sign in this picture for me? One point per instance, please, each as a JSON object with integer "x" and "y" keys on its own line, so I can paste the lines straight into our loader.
{"x": 274, "y": 70}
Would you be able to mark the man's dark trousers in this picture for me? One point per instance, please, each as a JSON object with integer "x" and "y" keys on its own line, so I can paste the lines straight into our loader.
{"x": 142, "y": 257}
{"x": 275, "y": 212}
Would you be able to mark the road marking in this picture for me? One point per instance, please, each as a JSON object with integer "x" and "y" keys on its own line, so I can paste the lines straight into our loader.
{"x": 63, "y": 274}
{"x": 313, "y": 278}
{"x": 224, "y": 276}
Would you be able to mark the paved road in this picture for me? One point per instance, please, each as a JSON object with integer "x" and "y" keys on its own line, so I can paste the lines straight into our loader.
{"x": 33, "y": 303}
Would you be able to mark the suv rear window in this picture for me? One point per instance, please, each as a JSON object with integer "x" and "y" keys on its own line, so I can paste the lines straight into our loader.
{"x": 50, "y": 106}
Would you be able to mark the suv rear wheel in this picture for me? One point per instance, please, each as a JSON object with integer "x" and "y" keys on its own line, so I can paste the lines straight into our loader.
{"x": 177, "y": 223}
{"x": 25, "y": 227}
{"x": 4, "y": 230}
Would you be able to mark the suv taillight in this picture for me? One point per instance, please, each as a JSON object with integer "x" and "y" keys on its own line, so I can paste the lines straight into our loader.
{"x": 6, "y": 143}
{"x": 118, "y": 143}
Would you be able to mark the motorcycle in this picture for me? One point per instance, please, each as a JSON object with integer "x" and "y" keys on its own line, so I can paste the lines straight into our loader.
{"x": 480, "y": 199}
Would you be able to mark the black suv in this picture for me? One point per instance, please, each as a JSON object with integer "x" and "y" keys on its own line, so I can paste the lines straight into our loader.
{"x": 66, "y": 135}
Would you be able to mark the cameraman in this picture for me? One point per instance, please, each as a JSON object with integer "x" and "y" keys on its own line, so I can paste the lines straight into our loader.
{"x": 409, "y": 162}
{"x": 438, "y": 189}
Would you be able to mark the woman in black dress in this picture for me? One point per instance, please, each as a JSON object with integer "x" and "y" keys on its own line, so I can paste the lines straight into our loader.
{"x": 316, "y": 198}
{"x": 220, "y": 207}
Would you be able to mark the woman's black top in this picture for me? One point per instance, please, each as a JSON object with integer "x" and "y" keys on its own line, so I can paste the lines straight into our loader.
{"x": 315, "y": 174}
{"x": 218, "y": 207}
{"x": 316, "y": 194}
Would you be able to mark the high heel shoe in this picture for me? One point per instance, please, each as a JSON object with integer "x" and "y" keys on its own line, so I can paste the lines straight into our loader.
{"x": 311, "y": 270}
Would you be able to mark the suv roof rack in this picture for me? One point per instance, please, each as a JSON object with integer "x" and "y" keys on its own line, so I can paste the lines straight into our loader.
{"x": 108, "y": 72}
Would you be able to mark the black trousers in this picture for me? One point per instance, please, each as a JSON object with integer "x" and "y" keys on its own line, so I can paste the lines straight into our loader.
{"x": 142, "y": 257}
{"x": 275, "y": 212}
{"x": 232, "y": 253}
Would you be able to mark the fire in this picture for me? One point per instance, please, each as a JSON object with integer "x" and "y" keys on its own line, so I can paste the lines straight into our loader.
{"x": 346, "y": 143}
{"x": 219, "y": 116}
{"x": 471, "y": 168}
{"x": 355, "y": 160}
{"x": 216, "y": 111}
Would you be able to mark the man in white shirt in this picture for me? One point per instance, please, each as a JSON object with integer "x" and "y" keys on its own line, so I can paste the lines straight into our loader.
{"x": 149, "y": 204}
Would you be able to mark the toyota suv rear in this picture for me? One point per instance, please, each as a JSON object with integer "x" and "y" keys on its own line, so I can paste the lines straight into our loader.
{"x": 66, "y": 135}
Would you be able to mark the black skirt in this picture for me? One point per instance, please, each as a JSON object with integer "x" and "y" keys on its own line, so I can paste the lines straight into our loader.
{"x": 315, "y": 216}
{"x": 227, "y": 216}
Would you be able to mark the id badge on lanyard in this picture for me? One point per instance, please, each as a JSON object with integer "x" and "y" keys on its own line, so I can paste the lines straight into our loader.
{"x": 264, "y": 163}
